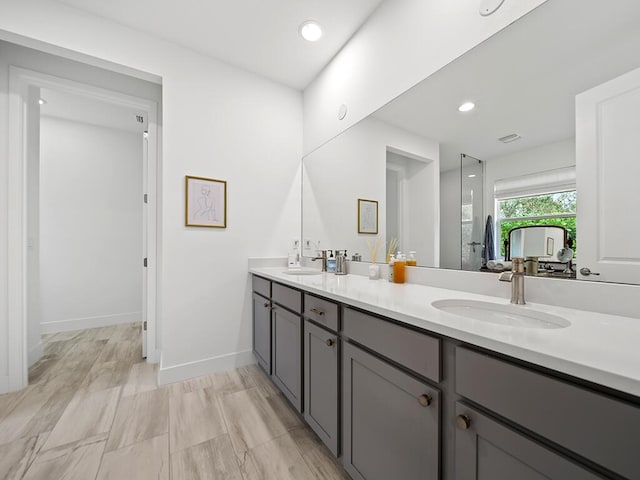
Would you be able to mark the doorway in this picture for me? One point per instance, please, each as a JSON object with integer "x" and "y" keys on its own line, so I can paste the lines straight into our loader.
{"x": 29, "y": 90}
{"x": 412, "y": 205}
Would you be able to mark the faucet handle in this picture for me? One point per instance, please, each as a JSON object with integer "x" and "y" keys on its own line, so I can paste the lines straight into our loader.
{"x": 517, "y": 264}
{"x": 506, "y": 277}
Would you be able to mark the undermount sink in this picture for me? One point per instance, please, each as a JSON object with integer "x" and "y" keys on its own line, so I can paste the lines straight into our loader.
{"x": 509, "y": 315}
{"x": 303, "y": 271}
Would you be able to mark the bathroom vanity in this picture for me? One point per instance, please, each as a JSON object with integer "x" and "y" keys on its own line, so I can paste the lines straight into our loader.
{"x": 398, "y": 388}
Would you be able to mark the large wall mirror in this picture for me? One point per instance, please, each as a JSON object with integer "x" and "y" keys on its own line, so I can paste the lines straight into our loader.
{"x": 438, "y": 173}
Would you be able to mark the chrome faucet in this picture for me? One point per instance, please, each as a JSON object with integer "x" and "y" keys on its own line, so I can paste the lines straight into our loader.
{"x": 516, "y": 277}
{"x": 322, "y": 256}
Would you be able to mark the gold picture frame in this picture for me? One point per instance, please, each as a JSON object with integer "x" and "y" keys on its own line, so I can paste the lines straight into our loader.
{"x": 205, "y": 202}
{"x": 367, "y": 216}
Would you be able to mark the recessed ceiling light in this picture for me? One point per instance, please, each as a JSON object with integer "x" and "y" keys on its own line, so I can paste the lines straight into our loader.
{"x": 466, "y": 107}
{"x": 42, "y": 101}
{"x": 311, "y": 31}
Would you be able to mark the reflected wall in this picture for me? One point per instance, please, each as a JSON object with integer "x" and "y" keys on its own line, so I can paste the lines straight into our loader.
{"x": 354, "y": 165}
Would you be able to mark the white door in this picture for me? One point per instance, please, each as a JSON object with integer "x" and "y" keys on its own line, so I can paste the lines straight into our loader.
{"x": 608, "y": 180}
{"x": 145, "y": 213}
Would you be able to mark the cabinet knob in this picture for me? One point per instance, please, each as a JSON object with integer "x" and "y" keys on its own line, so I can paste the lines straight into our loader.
{"x": 317, "y": 311}
{"x": 463, "y": 422}
{"x": 266, "y": 305}
{"x": 424, "y": 400}
{"x": 330, "y": 342}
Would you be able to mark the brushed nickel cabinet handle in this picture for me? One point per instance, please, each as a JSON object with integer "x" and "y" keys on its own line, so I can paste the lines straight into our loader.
{"x": 463, "y": 422}
{"x": 317, "y": 311}
{"x": 424, "y": 400}
{"x": 330, "y": 342}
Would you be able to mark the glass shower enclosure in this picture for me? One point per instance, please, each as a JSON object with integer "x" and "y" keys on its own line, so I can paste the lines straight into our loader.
{"x": 472, "y": 214}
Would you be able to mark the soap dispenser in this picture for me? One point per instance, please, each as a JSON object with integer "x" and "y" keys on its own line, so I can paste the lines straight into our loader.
{"x": 341, "y": 262}
{"x": 399, "y": 268}
{"x": 331, "y": 263}
{"x": 294, "y": 258}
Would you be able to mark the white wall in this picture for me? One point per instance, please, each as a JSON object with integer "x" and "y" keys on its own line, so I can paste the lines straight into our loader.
{"x": 402, "y": 43}
{"x": 450, "y": 226}
{"x": 220, "y": 122}
{"x": 353, "y": 166}
{"x": 90, "y": 225}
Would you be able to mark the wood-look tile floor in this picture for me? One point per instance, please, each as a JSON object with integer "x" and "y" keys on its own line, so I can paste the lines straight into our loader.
{"x": 92, "y": 410}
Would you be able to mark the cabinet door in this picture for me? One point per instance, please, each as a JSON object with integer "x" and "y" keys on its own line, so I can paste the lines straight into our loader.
{"x": 488, "y": 450}
{"x": 262, "y": 332}
{"x": 321, "y": 383}
{"x": 607, "y": 146}
{"x": 286, "y": 369}
{"x": 391, "y": 421}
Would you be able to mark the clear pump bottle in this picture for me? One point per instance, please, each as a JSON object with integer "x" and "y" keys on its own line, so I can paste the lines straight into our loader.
{"x": 331, "y": 263}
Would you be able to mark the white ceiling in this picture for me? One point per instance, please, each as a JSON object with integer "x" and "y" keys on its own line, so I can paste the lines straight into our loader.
{"x": 258, "y": 35}
{"x": 522, "y": 80}
{"x": 79, "y": 108}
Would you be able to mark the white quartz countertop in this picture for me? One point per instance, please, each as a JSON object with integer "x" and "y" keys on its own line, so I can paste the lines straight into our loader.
{"x": 604, "y": 349}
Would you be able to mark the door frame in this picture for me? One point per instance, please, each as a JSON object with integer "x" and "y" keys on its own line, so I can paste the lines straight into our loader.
{"x": 20, "y": 79}
{"x": 402, "y": 200}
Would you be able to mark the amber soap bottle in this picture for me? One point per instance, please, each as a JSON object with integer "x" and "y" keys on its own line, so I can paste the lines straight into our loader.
{"x": 399, "y": 268}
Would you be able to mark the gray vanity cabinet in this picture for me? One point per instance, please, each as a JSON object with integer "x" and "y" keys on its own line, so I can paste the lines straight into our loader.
{"x": 262, "y": 322}
{"x": 488, "y": 450}
{"x": 286, "y": 367}
{"x": 404, "y": 403}
{"x": 321, "y": 401}
{"x": 391, "y": 421}
{"x": 597, "y": 427}
{"x": 262, "y": 331}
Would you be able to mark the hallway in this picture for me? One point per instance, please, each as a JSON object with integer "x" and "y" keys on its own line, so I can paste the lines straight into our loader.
{"x": 93, "y": 410}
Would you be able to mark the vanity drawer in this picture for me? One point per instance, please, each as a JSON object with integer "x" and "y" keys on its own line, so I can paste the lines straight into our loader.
{"x": 414, "y": 350}
{"x": 262, "y": 286}
{"x": 321, "y": 311}
{"x": 287, "y": 297}
{"x": 600, "y": 428}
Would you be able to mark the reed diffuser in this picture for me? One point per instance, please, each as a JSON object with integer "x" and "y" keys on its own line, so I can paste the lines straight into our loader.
{"x": 374, "y": 268}
{"x": 393, "y": 243}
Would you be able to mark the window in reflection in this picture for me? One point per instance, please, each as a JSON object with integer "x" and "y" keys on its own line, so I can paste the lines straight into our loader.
{"x": 548, "y": 209}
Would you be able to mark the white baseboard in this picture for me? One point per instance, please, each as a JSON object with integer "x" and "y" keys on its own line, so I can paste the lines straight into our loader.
{"x": 34, "y": 354}
{"x": 89, "y": 322}
{"x": 178, "y": 373}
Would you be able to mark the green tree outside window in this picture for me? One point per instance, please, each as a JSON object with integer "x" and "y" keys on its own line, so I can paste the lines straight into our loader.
{"x": 556, "y": 208}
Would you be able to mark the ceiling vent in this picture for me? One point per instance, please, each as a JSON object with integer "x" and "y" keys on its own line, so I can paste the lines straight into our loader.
{"x": 510, "y": 138}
